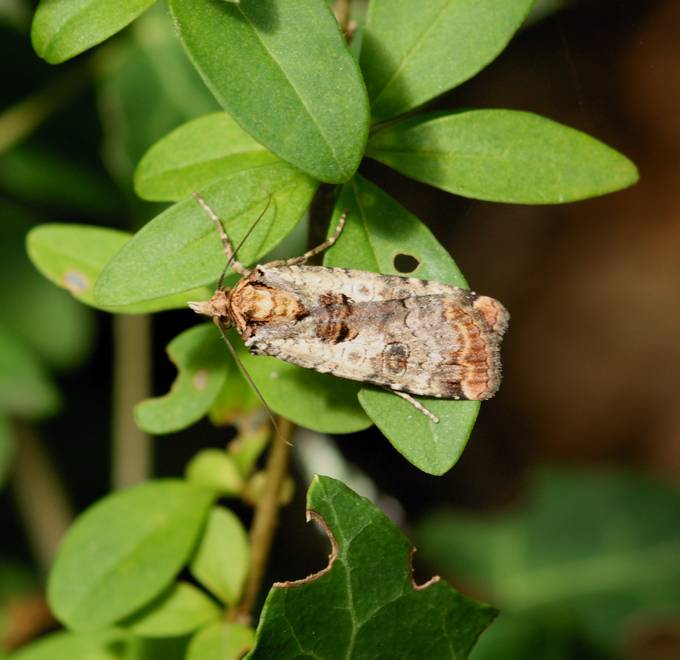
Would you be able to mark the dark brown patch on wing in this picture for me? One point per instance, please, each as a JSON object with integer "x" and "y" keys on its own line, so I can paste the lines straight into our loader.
{"x": 336, "y": 322}
{"x": 395, "y": 358}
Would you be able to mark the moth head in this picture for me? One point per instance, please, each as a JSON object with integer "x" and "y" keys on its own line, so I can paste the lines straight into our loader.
{"x": 216, "y": 307}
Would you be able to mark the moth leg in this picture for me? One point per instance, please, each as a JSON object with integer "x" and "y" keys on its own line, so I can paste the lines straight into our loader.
{"x": 319, "y": 248}
{"x": 416, "y": 404}
{"x": 226, "y": 243}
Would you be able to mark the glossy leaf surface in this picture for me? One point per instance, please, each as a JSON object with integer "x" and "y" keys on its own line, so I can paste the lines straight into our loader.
{"x": 503, "y": 156}
{"x": 365, "y": 601}
{"x": 282, "y": 69}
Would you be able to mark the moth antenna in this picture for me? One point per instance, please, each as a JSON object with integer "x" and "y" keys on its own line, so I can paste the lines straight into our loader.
{"x": 245, "y": 373}
{"x": 242, "y": 241}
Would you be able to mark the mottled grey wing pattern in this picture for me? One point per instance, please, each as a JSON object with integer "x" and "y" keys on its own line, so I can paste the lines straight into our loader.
{"x": 407, "y": 334}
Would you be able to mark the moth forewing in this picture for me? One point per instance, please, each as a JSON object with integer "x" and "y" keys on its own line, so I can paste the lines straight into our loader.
{"x": 409, "y": 335}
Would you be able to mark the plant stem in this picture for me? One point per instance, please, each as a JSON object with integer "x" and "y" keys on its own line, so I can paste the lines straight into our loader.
{"x": 131, "y": 447}
{"x": 40, "y": 497}
{"x": 266, "y": 515}
{"x": 341, "y": 9}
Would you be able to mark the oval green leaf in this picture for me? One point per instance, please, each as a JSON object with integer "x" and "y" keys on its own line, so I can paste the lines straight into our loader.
{"x": 203, "y": 364}
{"x": 73, "y": 256}
{"x": 196, "y": 154}
{"x": 414, "y": 51}
{"x": 179, "y": 610}
{"x": 221, "y": 641}
{"x": 63, "y": 28}
{"x": 180, "y": 249}
{"x": 222, "y": 559}
{"x": 503, "y": 156}
{"x": 379, "y": 229}
{"x": 283, "y": 70}
{"x": 123, "y": 551}
{"x": 70, "y": 646}
{"x": 317, "y": 401}
{"x": 215, "y": 469}
{"x": 365, "y": 603}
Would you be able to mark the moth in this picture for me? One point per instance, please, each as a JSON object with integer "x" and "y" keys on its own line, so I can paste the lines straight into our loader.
{"x": 410, "y": 336}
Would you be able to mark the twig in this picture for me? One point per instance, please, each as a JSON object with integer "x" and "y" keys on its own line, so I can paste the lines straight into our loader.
{"x": 266, "y": 516}
{"x": 131, "y": 447}
{"x": 41, "y": 500}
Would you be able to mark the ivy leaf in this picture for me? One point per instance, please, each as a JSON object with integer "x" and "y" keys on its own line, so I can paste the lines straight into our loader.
{"x": 179, "y": 610}
{"x": 73, "y": 256}
{"x": 64, "y": 28}
{"x": 365, "y": 604}
{"x": 221, "y": 561}
{"x": 503, "y": 156}
{"x": 125, "y": 550}
{"x": 378, "y": 231}
{"x": 317, "y": 401}
{"x": 284, "y": 72}
{"x": 221, "y": 641}
{"x": 26, "y": 389}
{"x": 599, "y": 549}
{"x": 180, "y": 249}
{"x": 196, "y": 154}
{"x": 413, "y": 52}
{"x": 203, "y": 364}
{"x": 70, "y": 646}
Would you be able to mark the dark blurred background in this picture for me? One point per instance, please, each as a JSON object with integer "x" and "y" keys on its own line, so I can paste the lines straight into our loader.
{"x": 591, "y": 361}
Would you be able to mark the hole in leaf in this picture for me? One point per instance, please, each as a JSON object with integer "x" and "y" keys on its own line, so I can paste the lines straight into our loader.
{"x": 405, "y": 263}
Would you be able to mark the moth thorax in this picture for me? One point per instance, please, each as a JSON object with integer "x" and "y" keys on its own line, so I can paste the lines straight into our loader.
{"x": 216, "y": 306}
{"x": 261, "y": 303}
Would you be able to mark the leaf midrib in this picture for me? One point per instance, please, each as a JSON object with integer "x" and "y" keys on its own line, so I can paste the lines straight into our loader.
{"x": 294, "y": 88}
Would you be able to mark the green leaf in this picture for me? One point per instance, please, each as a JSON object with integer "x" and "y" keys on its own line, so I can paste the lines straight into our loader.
{"x": 221, "y": 641}
{"x": 123, "y": 551}
{"x": 73, "y": 256}
{"x": 378, "y": 229}
{"x": 221, "y": 561}
{"x": 179, "y": 610}
{"x": 196, "y": 154}
{"x": 6, "y": 448}
{"x": 216, "y": 470}
{"x": 317, "y": 401}
{"x": 203, "y": 363}
{"x": 284, "y": 72}
{"x": 26, "y": 389}
{"x": 413, "y": 52}
{"x": 235, "y": 401}
{"x": 598, "y": 550}
{"x": 503, "y": 156}
{"x": 248, "y": 446}
{"x": 180, "y": 249}
{"x": 64, "y": 28}
{"x": 365, "y": 603}
{"x": 69, "y": 646}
